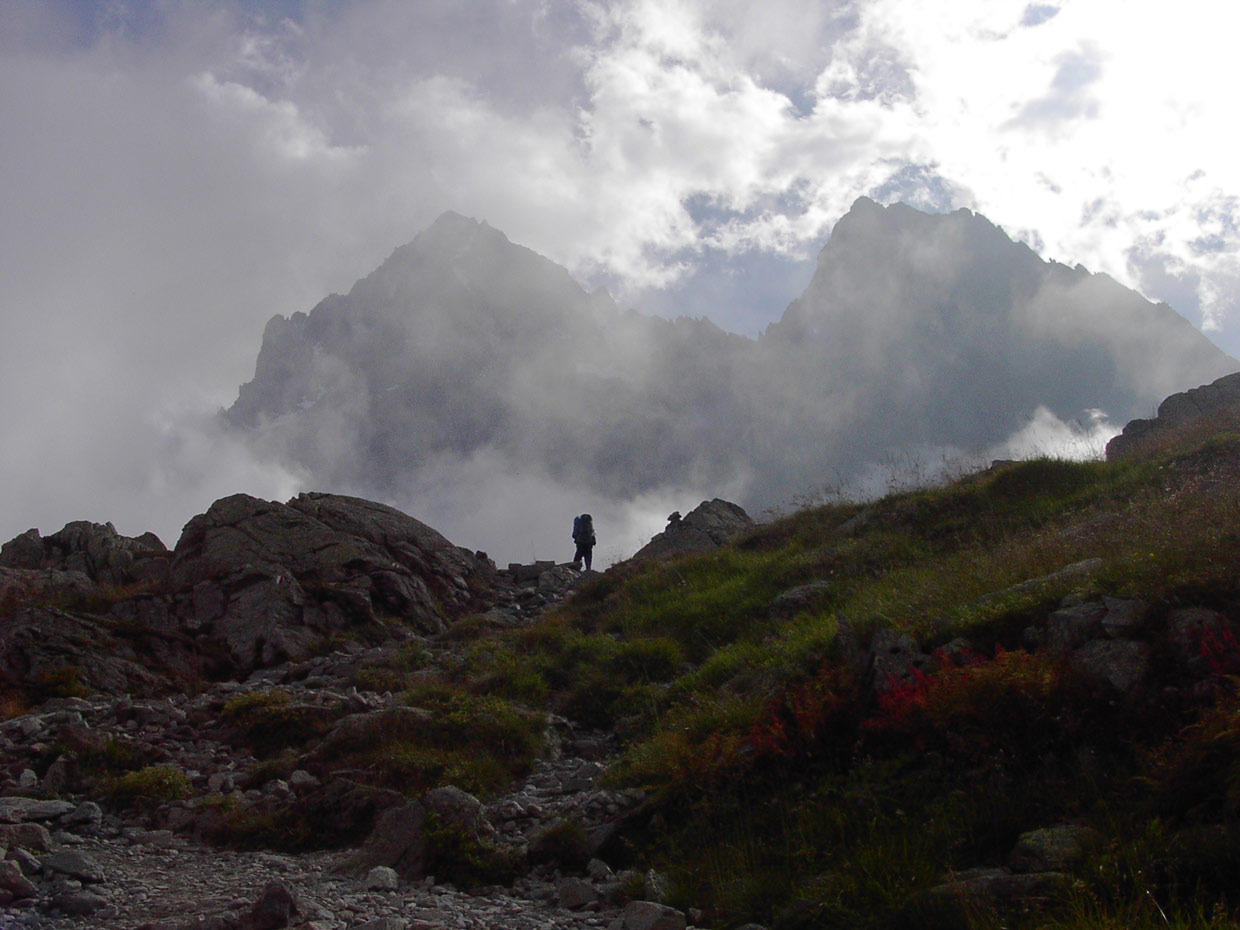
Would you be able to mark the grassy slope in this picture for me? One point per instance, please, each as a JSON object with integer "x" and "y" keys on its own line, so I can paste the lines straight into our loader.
{"x": 789, "y": 793}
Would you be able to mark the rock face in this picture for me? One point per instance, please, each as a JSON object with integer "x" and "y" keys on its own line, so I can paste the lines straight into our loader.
{"x": 1218, "y": 399}
{"x": 250, "y": 584}
{"x": 707, "y": 527}
{"x": 365, "y": 388}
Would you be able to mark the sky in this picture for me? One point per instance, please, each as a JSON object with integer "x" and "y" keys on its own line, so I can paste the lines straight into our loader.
{"x": 174, "y": 173}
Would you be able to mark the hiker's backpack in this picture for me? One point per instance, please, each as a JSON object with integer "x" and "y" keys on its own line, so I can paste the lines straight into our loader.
{"x": 576, "y": 526}
{"x": 583, "y": 529}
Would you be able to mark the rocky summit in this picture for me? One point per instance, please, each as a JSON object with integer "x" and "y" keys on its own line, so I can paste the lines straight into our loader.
{"x": 917, "y": 332}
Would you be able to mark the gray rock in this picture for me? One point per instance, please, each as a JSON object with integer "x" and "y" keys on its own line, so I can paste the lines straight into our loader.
{"x": 893, "y": 658}
{"x": 398, "y": 841}
{"x": 383, "y": 923}
{"x": 797, "y": 600}
{"x": 31, "y": 836}
{"x": 87, "y": 814}
{"x": 16, "y": 810}
{"x": 460, "y": 808}
{"x": 53, "y": 644}
{"x": 360, "y": 729}
{"x": 1123, "y": 617}
{"x": 999, "y": 886}
{"x": 301, "y": 780}
{"x": 1072, "y": 626}
{"x": 1052, "y": 849}
{"x": 600, "y": 871}
{"x": 81, "y": 903}
{"x": 646, "y": 915}
{"x": 573, "y": 893}
{"x": 1076, "y": 572}
{"x": 75, "y": 864}
{"x": 382, "y": 878}
{"x": 1122, "y": 664}
{"x": 707, "y": 527}
{"x": 14, "y": 882}
{"x": 245, "y": 561}
{"x": 558, "y": 580}
{"x": 274, "y": 909}
{"x": 1176, "y": 411}
{"x": 24, "y": 551}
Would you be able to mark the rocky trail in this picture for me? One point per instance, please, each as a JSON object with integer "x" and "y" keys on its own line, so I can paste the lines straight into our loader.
{"x": 71, "y": 865}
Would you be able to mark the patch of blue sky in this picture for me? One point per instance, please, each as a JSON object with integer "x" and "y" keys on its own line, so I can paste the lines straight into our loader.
{"x": 1038, "y": 13}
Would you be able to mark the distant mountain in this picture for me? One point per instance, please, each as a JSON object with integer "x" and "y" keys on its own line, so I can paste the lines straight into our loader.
{"x": 916, "y": 331}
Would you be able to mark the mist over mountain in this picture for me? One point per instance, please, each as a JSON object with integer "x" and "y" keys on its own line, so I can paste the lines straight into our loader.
{"x": 475, "y": 383}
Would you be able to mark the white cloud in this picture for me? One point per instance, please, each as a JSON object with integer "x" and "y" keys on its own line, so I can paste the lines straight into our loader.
{"x": 172, "y": 174}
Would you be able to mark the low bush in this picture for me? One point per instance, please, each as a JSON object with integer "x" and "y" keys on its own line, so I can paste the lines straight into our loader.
{"x": 456, "y": 855}
{"x": 270, "y": 721}
{"x": 150, "y": 787}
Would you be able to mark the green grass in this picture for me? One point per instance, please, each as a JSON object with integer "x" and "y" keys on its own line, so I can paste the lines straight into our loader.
{"x": 788, "y": 794}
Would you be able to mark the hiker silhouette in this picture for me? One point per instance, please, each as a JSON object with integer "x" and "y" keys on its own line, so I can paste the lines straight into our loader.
{"x": 583, "y": 536}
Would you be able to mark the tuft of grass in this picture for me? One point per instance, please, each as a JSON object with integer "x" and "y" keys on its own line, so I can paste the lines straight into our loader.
{"x": 479, "y": 743}
{"x": 270, "y": 721}
{"x": 563, "y": 844}
{"x": 456, "y": 855}
{"x": 150, "y": 787}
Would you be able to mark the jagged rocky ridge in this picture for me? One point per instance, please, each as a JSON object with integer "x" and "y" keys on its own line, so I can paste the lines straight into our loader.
{"x": 464, "y": 354}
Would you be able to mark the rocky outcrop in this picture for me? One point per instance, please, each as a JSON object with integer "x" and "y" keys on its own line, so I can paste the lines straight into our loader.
{"x": 95, "y": 550}
{"x": 1218, "y": 400}
{"x": 250, "y": 584}
{"x": 270, "y": 580}
{"x": 707, "y": 527}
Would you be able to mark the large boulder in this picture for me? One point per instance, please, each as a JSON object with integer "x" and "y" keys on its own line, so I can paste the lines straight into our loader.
{"x": 707, "y": 527}
{"x": 271, "y": 580}
{"x": 251, "y": 584}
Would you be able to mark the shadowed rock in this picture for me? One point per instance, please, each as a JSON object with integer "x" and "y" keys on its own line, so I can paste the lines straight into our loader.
{"x": 250, "y": 584}
{"x": 707, "y": 527}
{"x": 1219, "y": 399}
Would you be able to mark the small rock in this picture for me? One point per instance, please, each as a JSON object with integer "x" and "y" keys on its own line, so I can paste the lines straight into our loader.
{"x": 74, "y": 864}
{"x": 88, "y": 814}
{"x": 382, "y": 878}
{"x": 600, "y": 871}
{"x": 81, "y": 903}
{"x": 31, "y": 836}
{"x": 1121, "y": 663}
{"x": 573, "y": 893}
{"x": 646, "y": 915}
{"x": 1051, "y": 849}
{"x": 273, "y": 910}
{"x": 301, "y": 780}
{"x": 14, "y": 882}
{"x": 384, "y": 923}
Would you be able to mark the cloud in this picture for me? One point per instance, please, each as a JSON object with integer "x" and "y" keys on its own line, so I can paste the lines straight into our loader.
{"x": 172, "y": 174}
{"x": 1070, "y": 97}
